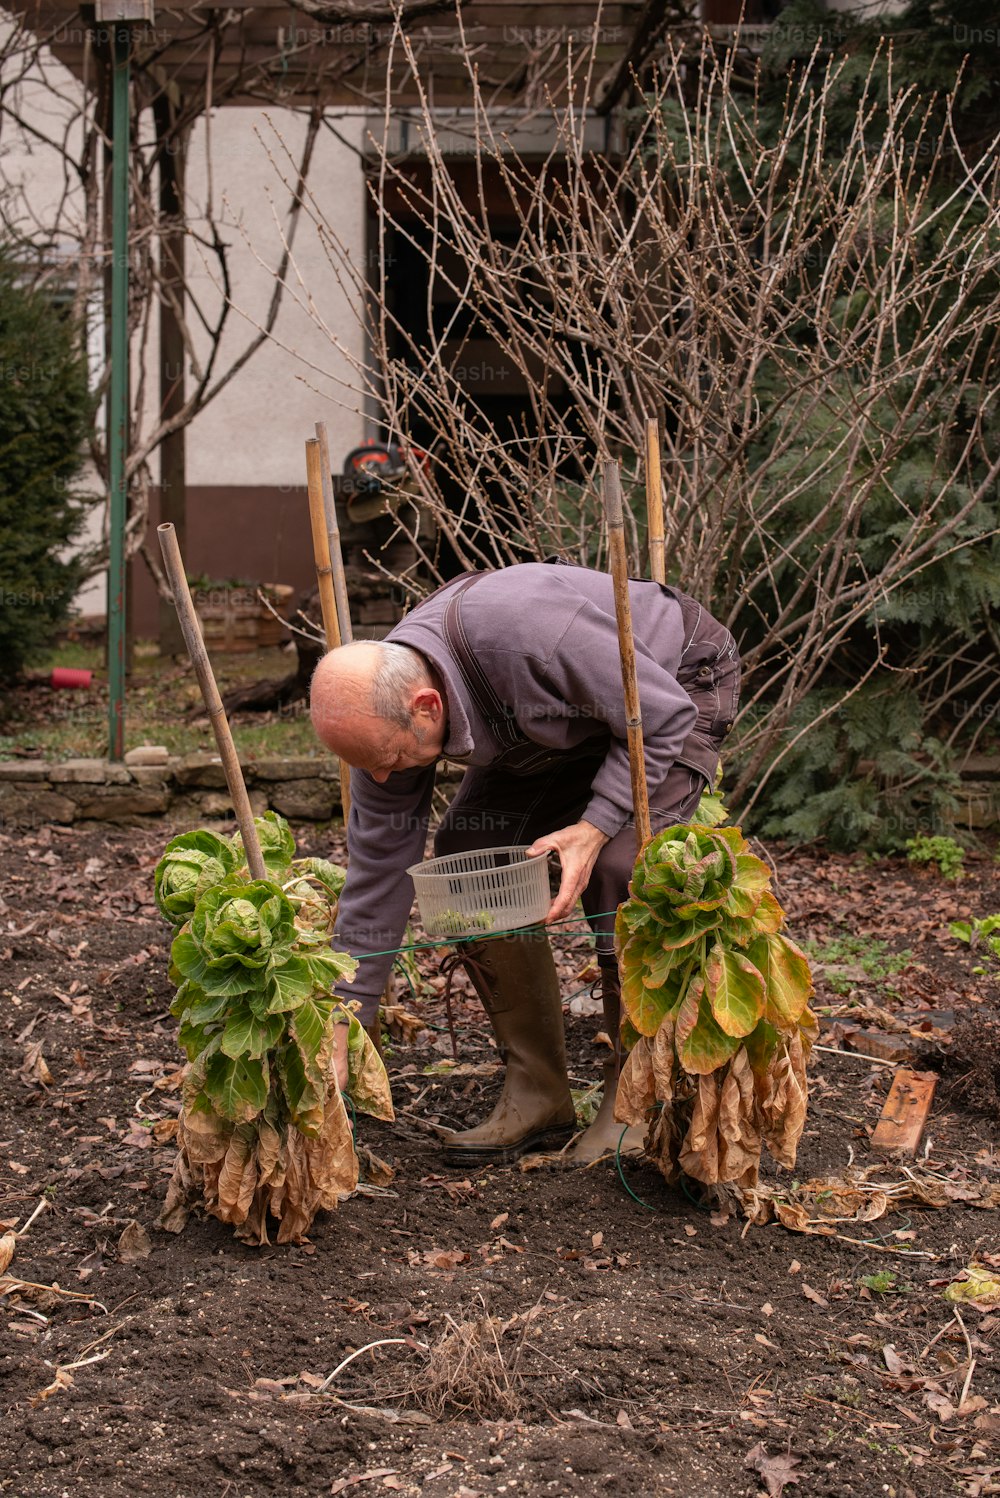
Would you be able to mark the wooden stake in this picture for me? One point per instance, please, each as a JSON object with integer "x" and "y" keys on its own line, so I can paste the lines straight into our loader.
{"x": 333, "y": 537}
{"x": 324, "y": 577}
{"x": 335, "y": 556}
{"x": 191, "y": 631}
{"x": 626, "y": 646}
{"x": 654, "y": 504}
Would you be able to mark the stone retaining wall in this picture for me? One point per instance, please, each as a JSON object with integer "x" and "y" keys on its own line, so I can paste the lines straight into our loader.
{"x": 307, "y": 789}
{"x": 191, "y": 786}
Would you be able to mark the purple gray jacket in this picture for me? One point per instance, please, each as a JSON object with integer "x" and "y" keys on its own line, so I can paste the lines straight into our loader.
{"x": 547, "y": 639}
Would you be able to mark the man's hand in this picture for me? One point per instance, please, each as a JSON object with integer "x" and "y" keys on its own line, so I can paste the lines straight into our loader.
{"x": 340, "y": 1069}
{"x": 577, "y": 847}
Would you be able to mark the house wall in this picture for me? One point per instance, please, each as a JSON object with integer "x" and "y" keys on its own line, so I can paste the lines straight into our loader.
{"x": 247, "y": 513}
{"x": 245, "y": 456}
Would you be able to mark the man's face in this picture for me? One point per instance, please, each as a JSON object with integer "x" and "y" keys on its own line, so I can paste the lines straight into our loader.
{"x": 386, "y": 748}
{"x": 383, "y": 748}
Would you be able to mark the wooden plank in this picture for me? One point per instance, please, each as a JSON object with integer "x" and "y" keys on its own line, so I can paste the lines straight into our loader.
{"x": 904, "y": 1117}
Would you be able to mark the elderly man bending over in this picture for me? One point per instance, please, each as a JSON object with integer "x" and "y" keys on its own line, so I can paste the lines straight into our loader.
{"x": 516, "y": 674}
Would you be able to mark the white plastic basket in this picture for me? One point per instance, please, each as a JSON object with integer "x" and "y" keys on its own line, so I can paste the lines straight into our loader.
{"x": 481, "y": 892}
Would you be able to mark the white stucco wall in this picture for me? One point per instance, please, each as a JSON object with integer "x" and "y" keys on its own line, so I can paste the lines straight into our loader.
{"x": 253, "y": 432}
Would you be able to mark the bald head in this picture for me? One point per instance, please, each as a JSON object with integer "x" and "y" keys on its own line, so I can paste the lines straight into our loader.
{"x": 378, "y": 706}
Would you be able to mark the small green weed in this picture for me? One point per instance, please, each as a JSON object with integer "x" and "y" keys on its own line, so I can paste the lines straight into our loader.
{"x": 979, "y": 934}
{"x": 943, "y": 851}
{"x": 867, "y": 952}
{"x": 882, "y": 1282}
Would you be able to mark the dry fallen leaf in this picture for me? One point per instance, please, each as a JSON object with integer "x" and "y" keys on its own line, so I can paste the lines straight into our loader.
{"x": 34, "y": 1067}
{"x": 596, "y": 1240}
{"x": 814, "y": 1296}
{"x": 776, "y": 1471}
{"x": 767, "y": 1309}
{"x": 940, "y": 1406}
{"x": 499, "y": 1221}
{"x": 7, "y": 1245}
{"x": 342, "y": 1483}
{"x": 134, "y": 1244}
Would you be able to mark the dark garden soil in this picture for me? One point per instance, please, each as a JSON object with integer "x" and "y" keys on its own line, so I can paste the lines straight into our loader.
{"x": 580, "y": 1340}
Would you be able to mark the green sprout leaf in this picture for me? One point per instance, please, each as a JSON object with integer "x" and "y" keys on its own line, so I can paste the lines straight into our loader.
{"x": 735, "y": 991}
{"x": 191, "y": 864}
{"x": 237, "y": 1087}
{"x": 787, "y": 979}
{"x": 702, "y": 1045}
{"x": 277, "y": 845}
{"x": 246, "y": 1035}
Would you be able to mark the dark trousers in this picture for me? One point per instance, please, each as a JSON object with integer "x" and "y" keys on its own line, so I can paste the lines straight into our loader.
{"x": 493, "y": 808}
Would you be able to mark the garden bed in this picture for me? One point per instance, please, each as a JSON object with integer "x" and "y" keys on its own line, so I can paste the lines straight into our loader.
{"x": 609, "y": 1344}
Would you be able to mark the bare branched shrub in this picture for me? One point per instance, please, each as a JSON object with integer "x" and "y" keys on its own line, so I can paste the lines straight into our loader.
{"x": 813, "y": 321}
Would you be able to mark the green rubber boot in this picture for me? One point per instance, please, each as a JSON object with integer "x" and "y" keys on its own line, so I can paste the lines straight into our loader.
{"x": 515, "y": 977}
{"x": 605, "y": 1136}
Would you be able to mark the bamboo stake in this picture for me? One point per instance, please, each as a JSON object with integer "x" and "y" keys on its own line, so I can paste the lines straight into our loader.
{"x": 626, "y": 645}
{"x": 191, "y": 630}
{"x": 654, "y": 504}
{"x": 324, "y": 577}
{"x": 333, "y": 537}
{"x": 335, "y": 559}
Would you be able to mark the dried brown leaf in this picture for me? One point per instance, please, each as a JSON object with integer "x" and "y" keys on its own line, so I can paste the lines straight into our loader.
{"x": 34, "y": 1067}
{"x": 939, "y": 1405}
{"x": 665, "y": 1064}
{"x": 133, "y": 1244}
{"x": 238, "y": 1176}
{"x": 783, "y": 1106}
{"x": 699, "y": 1155}
{"x": 182, "y": 1193}
{"x": 270, "y": 1154}
{"x": 8, "y": 1243}
{"x": 204, "y": 1137}
{"x": 794, "y": 1216}
{"x": 776, "y": 1471}
{"x": 637, "y": 1085}
{"x": 739, "y": 1133}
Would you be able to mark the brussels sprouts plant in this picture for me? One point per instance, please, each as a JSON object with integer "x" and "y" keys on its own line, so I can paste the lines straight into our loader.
{"x": 262, "y": 1131}
{"x": 717, "y": 1006}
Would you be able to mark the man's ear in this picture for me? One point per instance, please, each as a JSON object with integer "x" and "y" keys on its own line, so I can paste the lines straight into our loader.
{"x": 427, "y": 703}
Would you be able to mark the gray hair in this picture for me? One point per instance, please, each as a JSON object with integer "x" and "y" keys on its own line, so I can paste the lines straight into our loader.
{"x": 399, "y": 670}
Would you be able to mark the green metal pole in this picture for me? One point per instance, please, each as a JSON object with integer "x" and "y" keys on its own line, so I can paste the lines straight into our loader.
{"x": 118, "y": 393}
